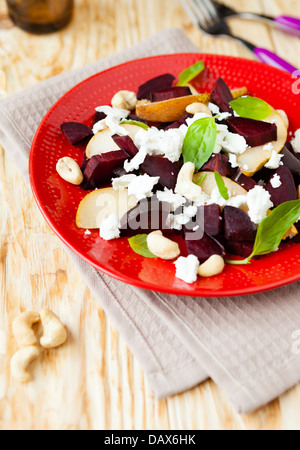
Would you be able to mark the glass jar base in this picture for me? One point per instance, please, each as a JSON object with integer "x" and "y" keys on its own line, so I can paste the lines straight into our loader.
{"x": 40, "y": 28}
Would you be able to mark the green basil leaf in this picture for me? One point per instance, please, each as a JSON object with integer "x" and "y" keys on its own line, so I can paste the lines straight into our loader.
{"x": 136, "y": 123}
{"x": 221, "y": 186}
{"x": 199, "y": 142}
{"x": 251, "y": 108}
{"x": 199, "y": 182}
{"x": 190, "y": 73}
{"x": 139, "y": 245}
{"x": 272, "y": 229}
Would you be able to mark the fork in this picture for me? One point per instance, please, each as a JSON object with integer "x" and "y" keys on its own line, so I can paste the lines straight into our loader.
{"x": 205, "y": 16}
{"x": 287, "y": 24}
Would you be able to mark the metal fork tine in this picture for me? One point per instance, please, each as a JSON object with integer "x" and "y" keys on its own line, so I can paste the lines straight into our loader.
{"x": 186, "y": 6}
{"x": 211, "y": 9}
{"x": 201, "y": 13}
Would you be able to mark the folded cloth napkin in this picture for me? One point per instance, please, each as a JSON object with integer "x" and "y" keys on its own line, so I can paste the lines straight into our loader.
{"x": 247, "y": 345}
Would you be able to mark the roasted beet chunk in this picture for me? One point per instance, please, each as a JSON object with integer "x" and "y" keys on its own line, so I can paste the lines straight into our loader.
{"x": 178, "y": 123}
{"x": 210, "y": 219}
{"x": 287, "y": 189}
{"x": 99, "y": 169}
{"x": 126, "y": 143}
{"x": 167, "y": 94}
{"x": 203, "y": 247}
{"x": 161, "y": 82}
{"x": 255, "y": 132}
{"x": 222, "y": 96}
{"x": 149, "y": 215}
{"x": 242, "y": 249}
{"x": 290, "y": 161}
{"x": 219, "y": 163}
{"x": 244, "y": 181}
{"x": 156, "y": 166}
{"x": 237, "y": 225}
{"x": 99, "y": 116}
{"x": 75, "y": 131}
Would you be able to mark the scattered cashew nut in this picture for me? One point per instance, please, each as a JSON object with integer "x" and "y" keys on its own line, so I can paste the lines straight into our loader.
{"x": 124, "y": 100}
{"x": 195, "y": 108}
{"x": 185, "y": 185}
{"x": 20, "y": 362}
{"x": 162, "y": 247}
{"x": 22, "y": 328}
{"x": 213, "y": 266}
{"x": 284, "y": 117}
{"x": 55, "y": 333}
{"x": 69, "y": 171}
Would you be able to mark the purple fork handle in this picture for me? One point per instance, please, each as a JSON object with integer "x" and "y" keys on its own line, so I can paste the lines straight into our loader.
{"x": 272, "y": 59}
{"x": 288, "y": 24}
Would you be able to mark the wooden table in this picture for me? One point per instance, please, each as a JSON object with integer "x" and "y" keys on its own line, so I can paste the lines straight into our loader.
{"x": 94, "y": 382}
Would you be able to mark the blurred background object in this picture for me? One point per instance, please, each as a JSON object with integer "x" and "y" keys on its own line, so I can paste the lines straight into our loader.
{"x": 40, "y": 16}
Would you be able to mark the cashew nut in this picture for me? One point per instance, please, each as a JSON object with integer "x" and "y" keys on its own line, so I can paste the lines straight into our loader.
{"x": 213, "y": 266}
{"x": 284, "y": 117}
{"x": 55, "y": 334}
{"x": 69, "y": 170}
{"x": 124, "y": 100}
{"x": 185, "y": 185}
{"x": 162, "y": 247}
{"x": 195, "y": 108}
{"x": 20, "y": 362}
{"x": 22, "y": 328}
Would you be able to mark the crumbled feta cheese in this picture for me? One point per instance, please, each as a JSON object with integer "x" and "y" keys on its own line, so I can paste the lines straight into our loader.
{"x": 202, "y": 199}
{"x": 223, "y": 116}
{"x": 236, "y": 114}
{"x": 136, "y": 161}
{"x": 187, "y": 269}
{"x": 113, "y": 118}
{"x": 196, "y": 228}
{"x": 222, "y": 131}
{"x": 275, "y": 161}
{"x": 176, "y": 221}
{"x": 214, "y": 108}
{"x": 168, "y": 196}
{"x": 142, "y": 186}
{"x": 259, "y": 202}
{"x": 87, "y": 233}
{"x": 268, "y": 147}
{"x": 120, "y": 184}
{"x": 238, "y": 201}
{"x": 196, "y": 117}
{"x": 216, "y": 198}
{"x": 276, "y": 181}
{"x": 234, "y": 143}
{"x": 233, "y": 161}
{"x": 296, "y": 142}
{"x": 109, "y": 228}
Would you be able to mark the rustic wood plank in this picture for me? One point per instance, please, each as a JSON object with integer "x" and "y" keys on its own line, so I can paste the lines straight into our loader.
{"x": 94, "y": 382}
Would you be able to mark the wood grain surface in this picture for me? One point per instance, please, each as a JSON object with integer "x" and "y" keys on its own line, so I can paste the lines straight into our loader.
{"x": 93, "y": 382}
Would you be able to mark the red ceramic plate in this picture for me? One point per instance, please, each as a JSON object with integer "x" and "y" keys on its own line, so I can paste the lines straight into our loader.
{"x": 59, "y": 200}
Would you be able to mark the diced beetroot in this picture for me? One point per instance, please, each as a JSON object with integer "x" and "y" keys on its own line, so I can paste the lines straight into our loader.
{"x": 203, "y": 248}
{"x": 84, "y": 162}
{"x": 99, "y": 116}
{"x": 126, "y": 143}
{"x": 222, "y": 96}
{"x": 136, "y": 119}
{"x": 290, "y": 161}
{"x": 212, "y": 216}
{"x": 256, "y": 132}
{"x": 244, "y": 181}
{"x": 149, "y": 215}
{"x": 99, "y": 169}
{"x": 173, "y": 92}
{"x": 287, "y": 191}
{"x": 237, "y": 225}
{"x": 161, "y": 82}
{"x": 178, "y": 123}
{"x": 75, "y": 131}
{"x": 263, "y": 175}
{"x": 218, "y": 163}
{"x": 156, "y": 166}
{"x": 242, "y": 249}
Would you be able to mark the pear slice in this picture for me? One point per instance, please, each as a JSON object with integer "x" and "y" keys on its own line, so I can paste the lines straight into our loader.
{"x": 255, "y": 158}
{"x": 209, "y": 184}
{"x": 102, "y": 142}
{"x": 100, "y": 204}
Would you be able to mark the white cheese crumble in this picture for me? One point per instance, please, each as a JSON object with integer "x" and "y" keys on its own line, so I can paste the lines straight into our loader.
{"x": 214, "y": 108}
{"x": 136, "y": 161}
{"x": 259, "y": 202}
{"x": 275, "y": 161}
{"x": 196, "y": 117}
{"x": 234, "y": 143}
{"x": 296, "y": 142}
{"x": 268, "y": 147}
{"x": 216, "y": 198}
{"x": 120, "y": 184}
{"x": 176, "y": 221}
{"x": 276, "y": 181}
{"x": 87, "y": 233}
{"x": 175, "y": 200}
{"x": 187, "y": 269}
{"x": 142, "y": 186}
{"x": 223, "y": 116}
{"x": 233, "y": 160}
{"x": 109, "y": 228}
{"x": 113, "y": 118}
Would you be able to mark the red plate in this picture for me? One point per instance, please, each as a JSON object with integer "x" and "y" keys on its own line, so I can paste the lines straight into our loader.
{"x": 59, "y": 200}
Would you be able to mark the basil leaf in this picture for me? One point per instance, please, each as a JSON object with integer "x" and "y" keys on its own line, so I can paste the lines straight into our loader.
{"x": 190, "y": 73}
{"x": 139, "y": 245}
{"x": 136, "y": 123}
{"x": 199, "y": 182}
{"x": 199, "y": 142}
{"x": 272, "y": 229}
{"x": 251, "y": 108}
{"x": 221, "y": 186}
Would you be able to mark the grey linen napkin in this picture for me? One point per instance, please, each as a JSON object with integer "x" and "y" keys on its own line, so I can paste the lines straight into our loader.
{"x": 247, "y": 345}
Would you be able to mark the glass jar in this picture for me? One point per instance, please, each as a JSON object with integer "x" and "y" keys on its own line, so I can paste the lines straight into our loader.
{"x": 40, "y": 16}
